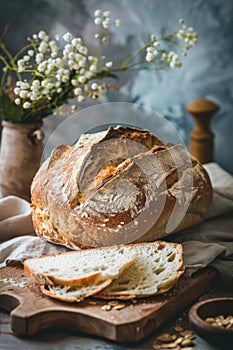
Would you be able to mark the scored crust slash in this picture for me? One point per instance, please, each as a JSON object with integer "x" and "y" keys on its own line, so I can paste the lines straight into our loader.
{"x": 118, "y": 186}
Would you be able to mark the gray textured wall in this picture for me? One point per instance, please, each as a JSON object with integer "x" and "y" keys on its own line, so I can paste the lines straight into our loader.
{"x": 207, "y": 71}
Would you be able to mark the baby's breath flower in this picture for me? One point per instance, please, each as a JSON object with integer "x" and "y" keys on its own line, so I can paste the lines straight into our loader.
{"x": 59, "y": 62}
{"x": 73, "y": 108}
{"x": 74, "y": 82}
{"x": 76, "y": 41}
{"x": 23, "y": 93}
{"x": 54, "y": 54}
{"x": 42, "y": 66}
{"x": 36, "y": 83}
{"x": 41, "y": 35}
{"x": 78, "y": 91}
{"x": 149, "y": 56}
{"x": 96, "y": 36}
{"x": 98, "y": 21}
{"x": 31, "y": 53}
{"x": 68, "y": 37}
{"x": 93, "y": 68}
{"x": 151, "y": 52}
{"x": 106, "y": 23}
{"x": 106, "y": 13}
{"x": 81, "y": 98}
{"x": 71, "y": 55}
{"x": 52, "y": 44}
{"x": 39, "y": 58}
{"x": 98, "y": 13}
{"x": 26, "y": 58}
{"x": 21, "y": 65}
{"x": 43, "y": 47}
{"x": 17, "y": 101}
{"x": 27, "y": 105}
{"x": 94, "y": 86}
{"x": 118, "y": 22}
{"x": 88, "y": 75}
{"x": 82, "y": 79}
{"x": 109, "y": 64}
{"x": 17, "y": 90}
{"x": 24, "y": 85}
{"x": 83, "y": 50}
{"x": 67, "y": 49}
{"x": 188, "y": 36}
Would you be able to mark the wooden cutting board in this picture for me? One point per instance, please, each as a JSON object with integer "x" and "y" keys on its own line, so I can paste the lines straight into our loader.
{"x": 31, "y": 311}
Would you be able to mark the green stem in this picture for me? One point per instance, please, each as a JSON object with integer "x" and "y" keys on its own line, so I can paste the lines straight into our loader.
{"x": 24, "y": 49}
{"x": 12, "y": 61}
{"x": 139, "y": 68}
{"x": 97, "y": 54}
{"x": 4, "y": 49}
{"x": 124, "y": 64}
{"x": 166, "y": 37}
{"x": 5, "y": 62}
{"x": 136, "y": 64}
{"x": 7, "y": 66}
{"x": 3, "y": 79}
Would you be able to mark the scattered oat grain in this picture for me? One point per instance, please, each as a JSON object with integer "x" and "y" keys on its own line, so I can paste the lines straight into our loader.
{"x": 106, "y": 307}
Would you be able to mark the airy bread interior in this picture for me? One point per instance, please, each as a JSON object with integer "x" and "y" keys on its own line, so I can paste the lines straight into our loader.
{"x": 155, "y": 270}
{"x": 80, "y": 267}
{"x": 136, "y": 271}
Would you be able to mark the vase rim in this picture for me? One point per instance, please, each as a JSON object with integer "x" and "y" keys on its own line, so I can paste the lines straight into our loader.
{"x": 11, "y": 125}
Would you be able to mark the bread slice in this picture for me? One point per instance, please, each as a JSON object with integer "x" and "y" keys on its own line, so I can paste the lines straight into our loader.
{"x": 155, "y": 270}
{"x": 80, "y": 268}
{"x": 72, "y": 294}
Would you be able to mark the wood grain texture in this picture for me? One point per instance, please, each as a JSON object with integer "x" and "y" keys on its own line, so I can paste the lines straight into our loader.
{"x": 31, "y": 311}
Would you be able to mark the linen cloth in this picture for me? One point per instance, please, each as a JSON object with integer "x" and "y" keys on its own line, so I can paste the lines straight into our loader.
{"x": 208, "y": 244}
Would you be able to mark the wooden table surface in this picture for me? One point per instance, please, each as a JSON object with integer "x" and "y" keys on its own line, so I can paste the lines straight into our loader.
{"x": 58, "y": 339}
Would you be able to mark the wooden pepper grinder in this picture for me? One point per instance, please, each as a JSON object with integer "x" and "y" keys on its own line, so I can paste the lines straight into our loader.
{"x": 202, "y": 138}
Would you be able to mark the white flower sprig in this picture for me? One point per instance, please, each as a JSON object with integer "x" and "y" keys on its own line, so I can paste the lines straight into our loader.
{"x": 49, "y": 73}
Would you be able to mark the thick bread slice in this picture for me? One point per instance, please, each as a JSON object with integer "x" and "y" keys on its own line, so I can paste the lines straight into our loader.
{"x": 80, "y": 268}
{"x": 72, "y": 294}
{"x": 155, "y": 270}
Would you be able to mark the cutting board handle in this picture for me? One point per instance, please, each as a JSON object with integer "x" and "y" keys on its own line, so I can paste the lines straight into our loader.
{"x": 28, "y": 318}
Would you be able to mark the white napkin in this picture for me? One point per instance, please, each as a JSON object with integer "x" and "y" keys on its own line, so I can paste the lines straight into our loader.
{"x": 222, "y": 183}
{"x": 209, "y": 244}
{"x": 15, "y": 218}
{"x": 20, "y": 248}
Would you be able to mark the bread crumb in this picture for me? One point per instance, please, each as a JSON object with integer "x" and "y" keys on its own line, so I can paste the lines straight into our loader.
{"x": 106, "y": 307}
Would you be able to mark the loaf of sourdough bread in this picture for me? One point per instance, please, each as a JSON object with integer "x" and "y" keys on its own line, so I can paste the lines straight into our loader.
{"x": 118, "y": 186}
